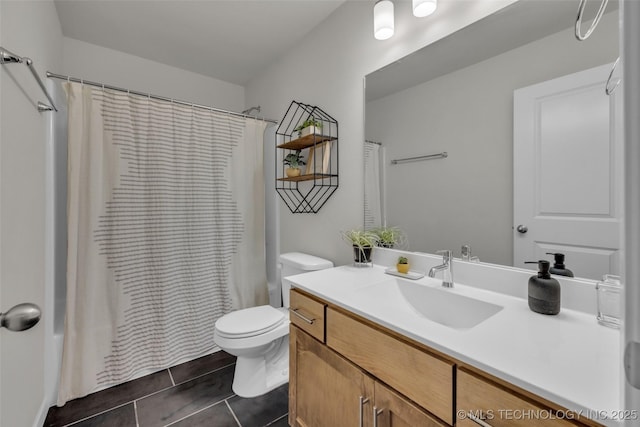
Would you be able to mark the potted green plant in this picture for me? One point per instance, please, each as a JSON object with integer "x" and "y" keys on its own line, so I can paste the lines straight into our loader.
{"x": 294, "y": 160}
{"x": 388, "y": 237}
{"x": 308, "y": 127}
{"x": 403, "y": 265}
{"x": 362, "y": 242}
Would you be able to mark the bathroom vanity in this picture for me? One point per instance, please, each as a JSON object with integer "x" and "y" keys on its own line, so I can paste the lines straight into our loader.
{"x": 365, "y": 352}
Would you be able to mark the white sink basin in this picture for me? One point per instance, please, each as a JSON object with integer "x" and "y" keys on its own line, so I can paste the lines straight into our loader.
{"x": 437, "y": 304}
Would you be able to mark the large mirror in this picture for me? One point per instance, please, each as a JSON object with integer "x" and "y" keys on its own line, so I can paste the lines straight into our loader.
{"x": 466, "y": 96}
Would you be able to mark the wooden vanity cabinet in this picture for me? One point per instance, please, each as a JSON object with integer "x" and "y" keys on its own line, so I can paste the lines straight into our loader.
{"x": 348, "y": 371}
{"x": 430, "y": 380}
{"x": 326, "y": 390}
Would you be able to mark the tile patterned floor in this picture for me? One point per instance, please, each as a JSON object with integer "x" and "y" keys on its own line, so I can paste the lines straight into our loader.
{"x": 193, "y": 394}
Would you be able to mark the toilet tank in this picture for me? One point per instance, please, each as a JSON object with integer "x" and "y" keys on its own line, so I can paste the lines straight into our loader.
{"x": 298, "y": 263}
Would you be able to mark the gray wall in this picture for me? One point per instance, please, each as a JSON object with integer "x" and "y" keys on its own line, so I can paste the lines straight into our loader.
{"x": 468, "y": 197}
{"x": 103, "y": 65}
{"x": 327, "y": 69}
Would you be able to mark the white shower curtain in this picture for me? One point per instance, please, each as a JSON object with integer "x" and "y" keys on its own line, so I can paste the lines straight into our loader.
{"x": 165, "y": 233}
{"x": 372, "y": 186}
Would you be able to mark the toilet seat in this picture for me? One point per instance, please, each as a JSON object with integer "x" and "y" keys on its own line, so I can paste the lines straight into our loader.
{"x": 249, "y": 322}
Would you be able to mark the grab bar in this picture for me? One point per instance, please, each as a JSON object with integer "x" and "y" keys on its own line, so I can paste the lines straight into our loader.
{"x": 594, "y": 24}
{"x": 7, "y": 57}
{"x": 442, "y": 155}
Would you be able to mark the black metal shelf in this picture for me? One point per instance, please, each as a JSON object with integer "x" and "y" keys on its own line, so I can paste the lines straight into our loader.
{"x": 318, "y": 180}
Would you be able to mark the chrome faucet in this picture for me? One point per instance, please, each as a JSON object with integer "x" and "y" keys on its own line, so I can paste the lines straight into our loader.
{"x": 445, "y": 267}
{"x": 466, "y": 254}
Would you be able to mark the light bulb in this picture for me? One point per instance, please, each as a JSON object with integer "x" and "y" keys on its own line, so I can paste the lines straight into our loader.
{"x": 383, "y": 25}
{"x": 422, "y": 8}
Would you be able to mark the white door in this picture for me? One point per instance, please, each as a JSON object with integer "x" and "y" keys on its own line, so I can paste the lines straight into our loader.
{"x": 568, "y": 159}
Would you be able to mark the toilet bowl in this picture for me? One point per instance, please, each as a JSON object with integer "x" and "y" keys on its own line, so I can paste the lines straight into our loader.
{"x": 259, "y": 336}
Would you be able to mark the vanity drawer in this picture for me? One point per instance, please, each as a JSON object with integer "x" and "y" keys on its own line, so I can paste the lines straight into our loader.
{"x": 422, "y": 377}
{"x": 497, "y": 406}
{"x": 307, "y": 314}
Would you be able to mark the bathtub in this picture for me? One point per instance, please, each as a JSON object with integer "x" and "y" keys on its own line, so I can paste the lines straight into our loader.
{"x": 53, "y": 311}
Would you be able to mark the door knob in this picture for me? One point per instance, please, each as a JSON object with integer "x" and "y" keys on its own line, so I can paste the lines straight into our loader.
{"x": 21, "y": 317}
{"x": 522, "y": 229}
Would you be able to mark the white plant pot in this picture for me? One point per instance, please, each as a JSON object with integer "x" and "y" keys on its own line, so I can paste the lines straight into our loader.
{"x": 311, "y": 130}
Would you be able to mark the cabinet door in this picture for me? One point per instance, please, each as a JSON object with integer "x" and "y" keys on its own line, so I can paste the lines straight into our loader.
{"x": 393, "y": 410}
{"x": 325, "y": 389}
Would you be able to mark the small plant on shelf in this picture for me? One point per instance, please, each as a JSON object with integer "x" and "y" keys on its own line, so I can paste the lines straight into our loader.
{"x": 294, "y": 160}
{"x": 403, "y": 265}
{"x": 308, "y": 127}
{"x": 362, "y": 242}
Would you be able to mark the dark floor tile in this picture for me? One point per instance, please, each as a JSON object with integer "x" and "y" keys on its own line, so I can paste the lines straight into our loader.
{"x": 217, "y": 415}
{"x": 124, "y": 416}
{"x": 95, "y": 403}
{"x": 280, "y": 422}
{"x": 200, "y": 366}
{"x": 184, "y": 399}
{"x": 262, "y": 410}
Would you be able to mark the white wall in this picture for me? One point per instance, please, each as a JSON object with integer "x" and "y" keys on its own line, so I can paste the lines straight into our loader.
{"x": 327, "y": 69}
{"x": 468, "y": 198}
{"x": 102, "y": 65}
{"x": 32, "y": 29}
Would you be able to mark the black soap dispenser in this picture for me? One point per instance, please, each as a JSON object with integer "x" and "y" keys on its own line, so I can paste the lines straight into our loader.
{"x": 544, "y": 291}
{"x": 558, "y": 265}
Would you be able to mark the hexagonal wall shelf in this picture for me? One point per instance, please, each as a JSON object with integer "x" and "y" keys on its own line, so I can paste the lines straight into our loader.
{"x": 306, "y": 158}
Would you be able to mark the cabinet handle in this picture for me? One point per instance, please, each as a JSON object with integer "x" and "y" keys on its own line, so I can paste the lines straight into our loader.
{"x": 305, "y": 318}
{"x": 478, "y": 420}
{"x": 376, "y": 412}
{"x": 363, "y": 400}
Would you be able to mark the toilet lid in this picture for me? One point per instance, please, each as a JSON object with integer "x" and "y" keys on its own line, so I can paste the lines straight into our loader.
{"x": 249, "y": 322}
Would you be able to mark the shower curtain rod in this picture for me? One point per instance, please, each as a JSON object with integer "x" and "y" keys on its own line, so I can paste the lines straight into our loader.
{"x": 148, "y": 95}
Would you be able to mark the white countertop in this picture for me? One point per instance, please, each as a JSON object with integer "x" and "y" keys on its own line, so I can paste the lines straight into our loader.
{"x": 568, "y": 359}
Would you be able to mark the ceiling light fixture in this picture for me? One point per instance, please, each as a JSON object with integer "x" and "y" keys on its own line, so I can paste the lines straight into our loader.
{"x": 422, "y": 8}
{"x": 383, "y": 20}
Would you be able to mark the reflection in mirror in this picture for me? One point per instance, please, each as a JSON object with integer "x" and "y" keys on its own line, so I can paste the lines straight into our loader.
{"x": 457, "y": 96}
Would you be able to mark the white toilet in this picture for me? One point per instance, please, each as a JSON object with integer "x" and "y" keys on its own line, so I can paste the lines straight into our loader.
{"x": 259, "y": 336}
